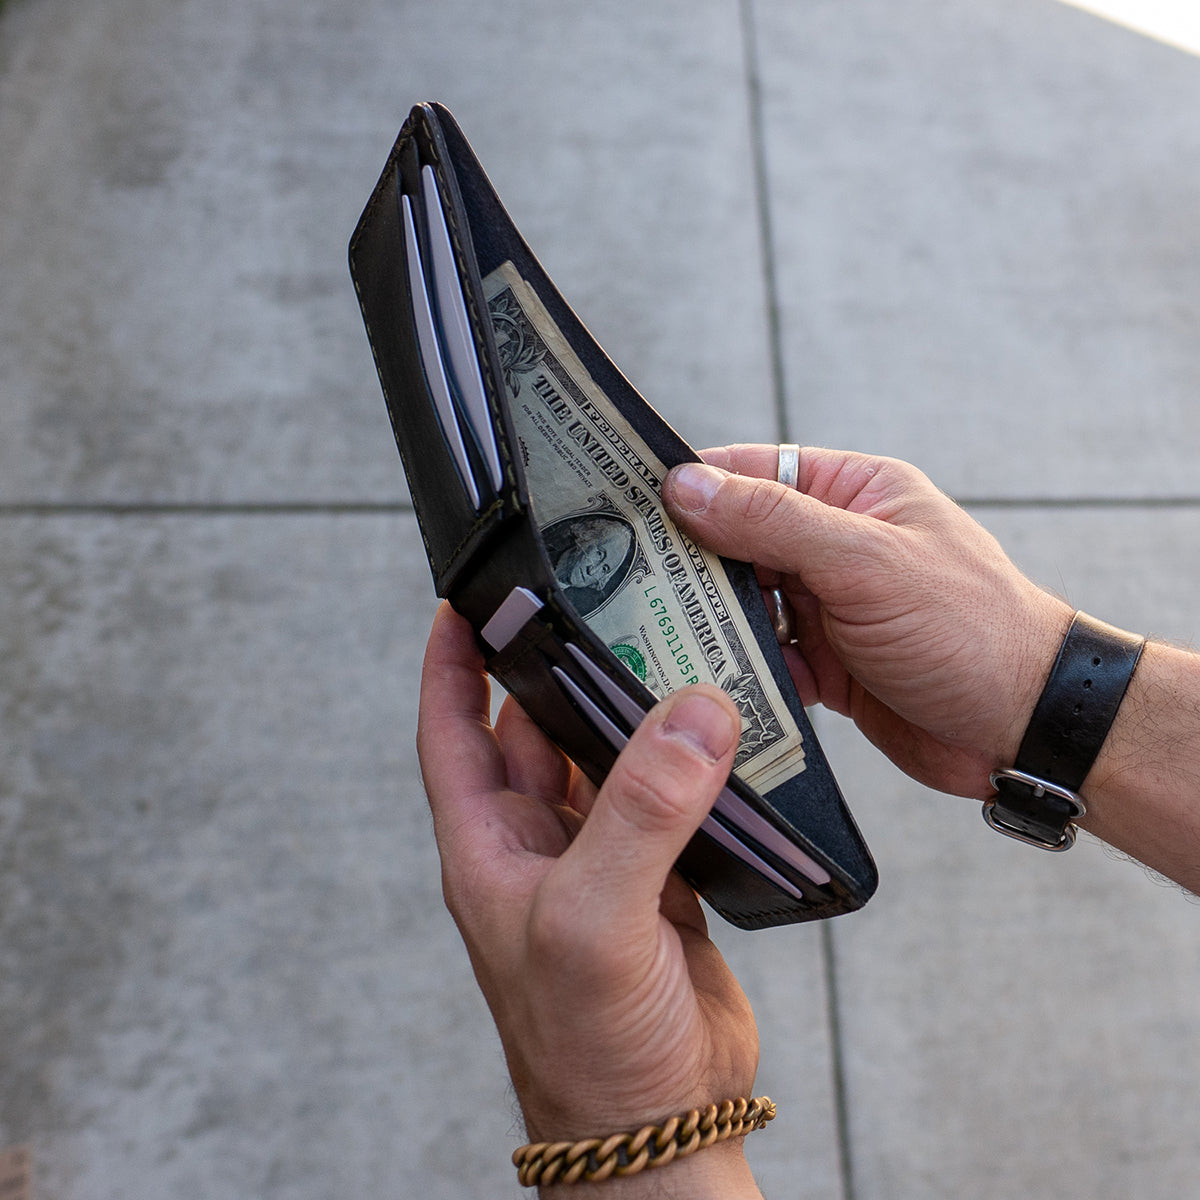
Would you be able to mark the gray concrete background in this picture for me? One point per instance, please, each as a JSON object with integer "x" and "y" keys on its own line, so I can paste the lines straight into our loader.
{"x": 964, "y": 233}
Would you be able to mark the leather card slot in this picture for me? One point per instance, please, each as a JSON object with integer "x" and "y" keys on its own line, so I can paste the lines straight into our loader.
{"x": 719, "y": 825}
{"x": 452, "y": 527}
{"x": 453, "y": 327}
{"x": 431, "y": 359}
{"x": 732, "y": 844}
{"x": 626, "y": 705}
{"x": 595, "y": 715}
{"x": 743, "y": 819}
{"x": 736, "y": 814}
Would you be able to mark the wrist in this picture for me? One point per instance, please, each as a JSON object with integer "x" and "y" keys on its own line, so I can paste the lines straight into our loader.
{"x": 1161, "y": 703}
{"x": 1037, "y": 642}
{"x": 1037, "y": 798}
{"x": 719, "y": 1172}
{"x": 697, "y": 1153}
{"x": 1141, "y": 789}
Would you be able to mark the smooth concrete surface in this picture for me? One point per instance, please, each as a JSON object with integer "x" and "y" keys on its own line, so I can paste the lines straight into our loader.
{"x": 181, "y": 181}
{"x": 987, "y": 241}
{"x": 225, "y": 970}
{"x": 224, "y": 967}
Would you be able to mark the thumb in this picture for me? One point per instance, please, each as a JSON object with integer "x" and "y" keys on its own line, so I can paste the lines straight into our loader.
{"x": 765, "y": 522}
{"x": 656, "y": 796}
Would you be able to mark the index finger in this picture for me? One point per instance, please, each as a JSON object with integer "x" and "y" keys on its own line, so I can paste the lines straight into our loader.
{"x": 841, "y": 478}
{"x": 745, "y": 458}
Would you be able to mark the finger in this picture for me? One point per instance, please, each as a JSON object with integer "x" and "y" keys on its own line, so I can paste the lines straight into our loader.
{"x": 804, "y": 679}
{"x": 454, "y": 716}
{"x": 816, "y": 669}
{"x": 535, "y": 766}
{"x": 764, "y": 522}
{"x": 655, "y": 797}
{"x": 745, "y": 458}
{"x": 842, "y": 478}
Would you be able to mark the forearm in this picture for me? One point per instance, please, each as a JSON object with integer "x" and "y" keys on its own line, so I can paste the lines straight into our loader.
{"x": 1143, "y": 793}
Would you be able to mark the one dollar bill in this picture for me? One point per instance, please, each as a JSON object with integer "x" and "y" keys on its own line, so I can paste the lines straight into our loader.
{"x": 664, "y": 606}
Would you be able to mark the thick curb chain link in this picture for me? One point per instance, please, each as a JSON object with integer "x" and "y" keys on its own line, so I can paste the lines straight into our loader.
{"x": 593, "y": 1160}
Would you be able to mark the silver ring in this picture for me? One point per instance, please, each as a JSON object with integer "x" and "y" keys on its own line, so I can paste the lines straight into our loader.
{"x": 789, "y": 464}
{"x": 783, "y": 619}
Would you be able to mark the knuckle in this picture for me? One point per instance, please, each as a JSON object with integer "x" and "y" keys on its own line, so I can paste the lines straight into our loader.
{"x": 760, "y": 502}
{"x": 650, "y": 795}
{"x": 860, "y": 478}
{"x": 907, "y": 481}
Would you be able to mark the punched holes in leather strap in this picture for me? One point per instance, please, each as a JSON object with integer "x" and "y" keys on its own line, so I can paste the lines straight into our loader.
{"x": 1069, "y": 724}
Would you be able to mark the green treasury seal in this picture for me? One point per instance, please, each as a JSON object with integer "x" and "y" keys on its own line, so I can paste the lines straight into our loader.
{"x": 631, "y": 656}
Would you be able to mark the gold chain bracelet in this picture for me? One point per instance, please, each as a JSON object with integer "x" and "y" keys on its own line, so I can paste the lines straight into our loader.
{"x": 593, "y": 1160}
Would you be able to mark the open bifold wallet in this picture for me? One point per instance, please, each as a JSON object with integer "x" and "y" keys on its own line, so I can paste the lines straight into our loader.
{"x": 535, "y": 470}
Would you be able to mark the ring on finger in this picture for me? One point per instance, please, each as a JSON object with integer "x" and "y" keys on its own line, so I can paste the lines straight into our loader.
{"x": 789, "y": 464}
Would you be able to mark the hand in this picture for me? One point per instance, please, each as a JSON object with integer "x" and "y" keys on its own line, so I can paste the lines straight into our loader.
{"x": 911, "y": 619}
{"x": 614, "y": 1008}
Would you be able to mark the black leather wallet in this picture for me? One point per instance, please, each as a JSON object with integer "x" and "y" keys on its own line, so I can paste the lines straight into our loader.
{"x": 535, "y": 469}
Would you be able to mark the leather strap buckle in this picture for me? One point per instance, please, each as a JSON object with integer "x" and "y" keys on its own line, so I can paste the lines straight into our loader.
{"x": 1041, "y": 787}
{"x": 1070, "y": 721}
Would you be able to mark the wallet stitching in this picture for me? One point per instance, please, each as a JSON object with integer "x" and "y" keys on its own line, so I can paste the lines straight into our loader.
{"x": 405, "y": 134}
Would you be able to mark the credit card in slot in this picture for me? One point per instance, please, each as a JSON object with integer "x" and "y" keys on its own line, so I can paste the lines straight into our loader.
{"x": 724, "y": 837}
{"x": 513, "y": 614}
{"x": 461, "y": 355}
{"x": 431, "y": 357}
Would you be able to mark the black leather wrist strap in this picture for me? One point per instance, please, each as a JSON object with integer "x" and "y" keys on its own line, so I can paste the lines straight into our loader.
{"x": 1037, "y": 799}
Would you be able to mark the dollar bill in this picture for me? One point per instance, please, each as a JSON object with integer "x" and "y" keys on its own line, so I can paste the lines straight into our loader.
{"x": 664, "y": 606}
